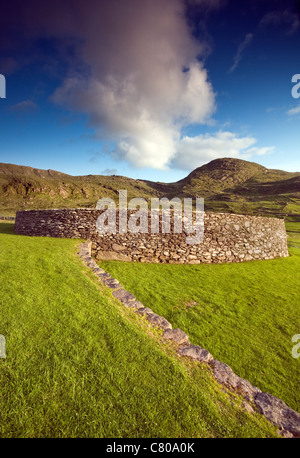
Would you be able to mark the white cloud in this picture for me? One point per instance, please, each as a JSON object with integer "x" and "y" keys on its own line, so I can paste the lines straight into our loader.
{"x": 24, "y": 107}
{"x": 258, "y": 151}
{"x": 294, "y": 111}
{"x": 109, "y": 172}
{"x": 137, "y": 93}
{"x": 239, "y": 54}
{"x": 192, "y": 152}
{"x": 284, "y": 18}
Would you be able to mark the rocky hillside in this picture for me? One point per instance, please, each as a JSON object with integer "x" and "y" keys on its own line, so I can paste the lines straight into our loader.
{"x": 227, "y": 185}
{"x": 239, "y": 186}
{"x": 28, "y": 188}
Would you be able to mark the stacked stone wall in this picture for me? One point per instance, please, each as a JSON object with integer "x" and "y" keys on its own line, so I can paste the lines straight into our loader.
{"x": 227, "y": 237}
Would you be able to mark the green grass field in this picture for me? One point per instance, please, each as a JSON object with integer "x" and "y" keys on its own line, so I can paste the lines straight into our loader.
{"x": 244, "y": 314}
{"x": 79, "y": 364}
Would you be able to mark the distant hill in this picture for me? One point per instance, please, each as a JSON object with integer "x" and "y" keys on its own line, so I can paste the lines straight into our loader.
{"x": 24, "y": 187}
{"x": 227, "y": 185}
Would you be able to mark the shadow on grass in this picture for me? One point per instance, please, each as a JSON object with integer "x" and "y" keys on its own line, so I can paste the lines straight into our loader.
{"x": 293, "y": 218}
{"x": 7, "y": 228}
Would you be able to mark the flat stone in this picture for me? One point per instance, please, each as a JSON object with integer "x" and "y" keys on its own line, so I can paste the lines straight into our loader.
{"x": 248, "y": 257}
{"x": 92, "y": 264}
{"x": 159, "y": 321}
{"x": 136, "y": 305}
{"x": 145, "y": 311}
{"x": 111, "y": 283}
{"x": 176, "y": 335}
{"x": 85, "y": 246}
{"x": 117, "y": 247}
{"x": 225, "y": 376}
{"x": 112, "y": 256}
{"x": 123, "y": 296}
{"x": 87, "y": 258}
{"x": 84, "y": 253}
{"x": 197, "y": 353}
{"x": 276, "y": 411}
{"x": 103, "y": 275}
{"x": 98, "y": 270}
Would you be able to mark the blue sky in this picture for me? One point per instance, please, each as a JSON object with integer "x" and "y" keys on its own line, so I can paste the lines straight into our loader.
{"x": 134, "y": 89}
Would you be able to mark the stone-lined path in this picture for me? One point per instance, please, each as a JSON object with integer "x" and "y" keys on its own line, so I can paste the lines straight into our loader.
{"x": 273, "y": 408}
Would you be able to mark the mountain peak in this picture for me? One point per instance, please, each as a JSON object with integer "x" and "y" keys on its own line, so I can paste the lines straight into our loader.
{"x": 227, "y": 169}
{"x": 229, "y": 163}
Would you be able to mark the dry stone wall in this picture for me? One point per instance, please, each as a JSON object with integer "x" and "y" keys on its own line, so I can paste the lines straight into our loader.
{"x": 227, "y": 237}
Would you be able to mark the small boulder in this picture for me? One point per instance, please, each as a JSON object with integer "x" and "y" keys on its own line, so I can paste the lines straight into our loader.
{"x": 136, "y": 305}
{"x": 98, "y": 270}
{"x": 117, "y": 247}
{"x": 124, "y": 296}
{"x": 177, "y": 336}
{"x": 276, "y": 411}
{"x": 197, "y": 353}
{"x": 111, "y": 283}
{"x": 225, "y": 376}
{"x": 159, "y": 321}
{"x": 145, "y": 311}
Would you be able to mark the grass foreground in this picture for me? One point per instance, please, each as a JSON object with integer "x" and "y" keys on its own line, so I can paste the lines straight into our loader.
{"x": 79, "y": 364}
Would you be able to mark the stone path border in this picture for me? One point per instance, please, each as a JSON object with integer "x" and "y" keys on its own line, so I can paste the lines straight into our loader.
{"x": 273, "y": 408}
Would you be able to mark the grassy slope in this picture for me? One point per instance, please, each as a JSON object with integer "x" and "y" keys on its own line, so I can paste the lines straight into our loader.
{"x": 78, "y": 364}
{"x": 245, "y": 314}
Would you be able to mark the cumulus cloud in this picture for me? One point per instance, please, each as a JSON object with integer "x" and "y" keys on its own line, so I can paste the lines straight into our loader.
{"x": 137, "y": 71}
{"x": 196, "y": 151}
{"x": 145, "y": 80}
